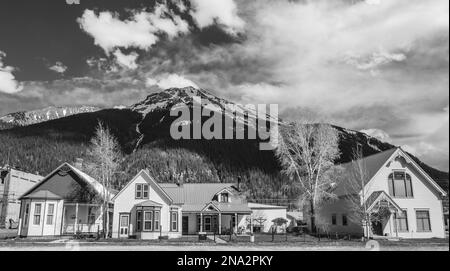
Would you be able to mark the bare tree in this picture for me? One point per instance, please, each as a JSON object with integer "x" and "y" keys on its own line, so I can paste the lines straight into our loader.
{"x": 307, "y": 153}
{"x": 356, "y": 195}
{"x": 105, "y": 156}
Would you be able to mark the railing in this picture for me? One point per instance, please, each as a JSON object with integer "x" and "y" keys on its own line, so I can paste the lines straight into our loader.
{"x": 81, "y": 228}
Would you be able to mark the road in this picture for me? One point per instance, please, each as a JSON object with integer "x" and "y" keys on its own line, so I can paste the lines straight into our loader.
{"x": 75, "y": 246}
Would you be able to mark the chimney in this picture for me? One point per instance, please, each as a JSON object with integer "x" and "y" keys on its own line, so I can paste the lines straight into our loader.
{"x": 79, "y": 163}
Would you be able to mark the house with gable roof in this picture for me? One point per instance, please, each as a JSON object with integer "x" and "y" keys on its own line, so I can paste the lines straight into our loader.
{"x": 65, "y": 202}
{"x": 149, "y": 210}
{"x": 406, "y": 199}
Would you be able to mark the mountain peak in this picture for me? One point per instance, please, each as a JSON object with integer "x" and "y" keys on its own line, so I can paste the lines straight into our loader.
{"x": 24, "y": 118}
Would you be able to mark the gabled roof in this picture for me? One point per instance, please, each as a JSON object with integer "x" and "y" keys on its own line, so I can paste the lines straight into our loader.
{"x": 97, "y": 187}
{"x": 374, "y": 163}
{"x": 195, "y": 193}
{"x": 43, "y": 194}
{"x": 378, "y": 196}
{"x": 155, "y": 186}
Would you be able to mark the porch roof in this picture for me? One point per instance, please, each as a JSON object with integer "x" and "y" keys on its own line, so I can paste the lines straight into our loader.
{"x": 379, "y": 196}
{"x": 221, "y": 207}
{"x": 148, "y": 203}
{"x": 43, "y": 194}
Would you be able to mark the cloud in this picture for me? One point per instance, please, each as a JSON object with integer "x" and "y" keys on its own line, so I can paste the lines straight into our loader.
{"x": 127, "y": 61}
{"x": 141, "y": 30}
{"x": 224, "y": 12}
{"x": 171, "y": 81}
{"x": 8, "y": 83}
{"x": 373, "y": 61}
{"x": 58, "y": 67}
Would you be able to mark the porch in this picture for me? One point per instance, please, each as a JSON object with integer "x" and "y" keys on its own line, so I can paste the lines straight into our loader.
{"x": 79, "y": 218}
{"x": 382, "y": 211}
{"x": 215, "y": 223}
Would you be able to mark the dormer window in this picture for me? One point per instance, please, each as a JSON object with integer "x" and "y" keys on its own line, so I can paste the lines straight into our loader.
{"x": 400, "y": 185}
{"x": 224, "y": 197}
{"x": 142, "y": 191}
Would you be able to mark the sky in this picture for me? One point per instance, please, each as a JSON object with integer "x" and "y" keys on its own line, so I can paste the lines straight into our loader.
{"x": 378, "y": 66}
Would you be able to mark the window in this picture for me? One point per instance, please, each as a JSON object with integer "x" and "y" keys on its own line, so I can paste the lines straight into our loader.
{"x": 224, "y": 197}
{"x": 400, "y": 185}
{"x": 344, "y": 220}
{"x": 51, "y": 211}
{"x": 174, "y": 221}
{"x": 148, "y": 221}
{"x": 157, "y": 218}
{"x": 423, "y": 221}
{"x": 333, "y": 219}
{"x": 27, "y": 213}
{"x": 37, "y": 214}
{"x": 138, "y": 191}
{"x": 145, "y": 193}
{"x": 91, "y": 215}
{"x": 139, "y": 221}
{"x": 401, "y": 220}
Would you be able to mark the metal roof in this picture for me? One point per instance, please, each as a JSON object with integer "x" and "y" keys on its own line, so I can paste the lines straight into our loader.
{"x": 43, "y": 194}
{"x": 371, "y": 165}
{"x": 194, "y": 193}
{"x": 264, "y": 206}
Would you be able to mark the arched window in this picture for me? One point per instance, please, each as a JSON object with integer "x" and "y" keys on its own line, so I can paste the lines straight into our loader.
{"x": 400, "y": 185}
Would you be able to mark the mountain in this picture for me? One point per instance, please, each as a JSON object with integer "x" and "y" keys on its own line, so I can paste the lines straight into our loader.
{"x": 143, "y": 131}
{"x": 25, "y": 118}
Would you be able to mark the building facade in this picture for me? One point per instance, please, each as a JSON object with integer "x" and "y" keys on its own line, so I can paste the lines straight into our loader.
{"x": 406, "y": 202}
{"x": 146, "y": 209}
{"x": 65, "y": 202}
{"x": 13, "y": 183}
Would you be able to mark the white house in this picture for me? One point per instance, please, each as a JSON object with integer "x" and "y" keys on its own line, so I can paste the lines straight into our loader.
{"x": 13, "y": 183}
{"x": 149, "y": 210}
{"x": 263, "y": 216}
{"x": 143, "y": 209}
{"x": 65, "y": 202}
{"x": 406, "y": 198}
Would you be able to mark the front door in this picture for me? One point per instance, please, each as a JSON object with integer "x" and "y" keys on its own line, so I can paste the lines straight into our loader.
{"x": 49, "y": 219}
{"x": 185, "y": 225}
{"x": 124, "y": 225}
{"x": 377, "y": 228}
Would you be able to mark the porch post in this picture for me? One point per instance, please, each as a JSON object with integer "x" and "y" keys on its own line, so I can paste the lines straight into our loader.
{"x": 76, "y": 218}
{"x": 251, "y": 224}
{"x": 201, "y": 222}
{"x": 220, "y": 223}
{"x": 235, "y": 222}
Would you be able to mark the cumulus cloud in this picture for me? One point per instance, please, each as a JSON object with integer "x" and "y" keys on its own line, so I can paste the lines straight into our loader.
{"x": 128, "y": 61}
{"x": 8, "y": 82}
{"x": 224, "y": 12}
{"x": 171, "y": 81}
{"x": 58, "y": 67}
{"x": 141, "y": 30}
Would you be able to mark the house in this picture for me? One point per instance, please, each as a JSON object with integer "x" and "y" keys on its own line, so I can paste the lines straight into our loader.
{"x": 263, "y": 216}
{"x": 13, "y": 183}
{"x": 406, "y": 200}
{"x": 149, "y": 210}
{"x": 144, "y": 210}
{"x": 65, "y": 202}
